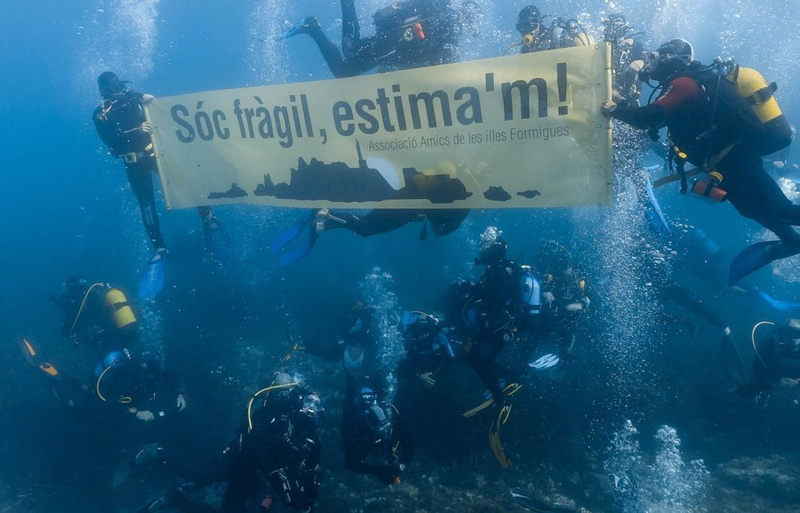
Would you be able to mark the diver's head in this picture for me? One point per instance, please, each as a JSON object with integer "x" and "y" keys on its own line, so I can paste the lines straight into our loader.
{"x": 671, "y": 57}
{"x": 109, "y": 84}
{"x": 529, "y": 21}
{"x": 614, "y": 26}
{"x": 74, "y": 287}
{"x": 113, "y": 359}
{"x": 309, "y": 405}
{"x": 420, "y": 325}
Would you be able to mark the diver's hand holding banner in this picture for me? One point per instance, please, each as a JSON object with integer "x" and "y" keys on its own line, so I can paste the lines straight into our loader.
{"x": 521, "y": 131}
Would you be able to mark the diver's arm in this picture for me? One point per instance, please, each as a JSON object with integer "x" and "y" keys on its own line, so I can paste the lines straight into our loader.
{"x": 650, "y": 116}
{"x": 107, "y": 134}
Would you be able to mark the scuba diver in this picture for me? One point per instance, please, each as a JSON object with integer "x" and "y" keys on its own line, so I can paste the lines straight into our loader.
{"x": 279, "y": 444}
{"x": 627, "y": 58}
{"x": 563, "y": 295}
{"x": 97, "y": 315}
{"x": 378, "y": 221}
{"x": 121, "y": 123}
{"x": 122, "y": 384}
{"x": 133, "y": 385}
{"x": 428, "y": 348}
{"x": 409, "y": 34}
{"x": 723, "y": 126}
{"x": 505, "y": 300}
{"x": 536, "y": 37}
{"x": 358, "y": 340}
{"x": 776, "y": 361}
{"x": 373, "y": 439}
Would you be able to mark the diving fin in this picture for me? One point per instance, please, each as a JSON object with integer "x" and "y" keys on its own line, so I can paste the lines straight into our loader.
{"x": 509, "y": 390}
{"x": 539, "y": 506}
{"x": 69, "y": 391}
{"x": 496, "y": 445}
{"x": 293, "y": 255}
{"x": 288, "y": 235}
{"x": 153, "y": 279}
{"x": 654, "y": 213}
{"x": 220, "y": 245}
{"x": 545, "y": 362}
{"x": 301, "y": 28}
{"x": 34, "y": 357}
{"x": 778, "y": 304}
{"x": 756, "y": 256}
{"x": 476, "y": 410}
{"x": 423, "y": 234}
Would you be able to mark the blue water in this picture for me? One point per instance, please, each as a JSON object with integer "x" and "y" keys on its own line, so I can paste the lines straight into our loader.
{"x": 642, "y": 390}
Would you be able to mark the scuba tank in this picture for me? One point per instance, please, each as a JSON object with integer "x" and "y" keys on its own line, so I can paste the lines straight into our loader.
{"x": 531, "y": 292}
{"x": 775, "y": 133}
{"x": 569, "y": 33}
{"x": 119, "y": 308}
{"x": 405, "y": 22}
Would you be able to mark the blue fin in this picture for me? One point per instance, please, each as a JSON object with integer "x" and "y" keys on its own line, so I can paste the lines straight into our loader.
{"x": 778, "y": 304}
{"x": 299, "y": 252}
{"x": 539, "y": 506}
{"x": 753, "y": 258}
{"x": 288, "y": 235}
{"x": 220, "y": 245}
{"x": 656, "y": 216}
{"x": 152, "y": 281}
{"x": 301, "y": 28}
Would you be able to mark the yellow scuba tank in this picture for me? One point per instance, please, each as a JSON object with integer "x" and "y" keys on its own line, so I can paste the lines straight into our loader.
{"x": 776, "y": 133}
{"x": 119, "y": 308}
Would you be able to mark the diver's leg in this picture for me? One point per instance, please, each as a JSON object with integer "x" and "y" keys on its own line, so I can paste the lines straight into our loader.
{"x": 140, "y": 178}
{"x": 487, "y": 370}
{"x": 446, "y": 221}
{"x": 351, "y": 32}
{"x": 330, "y": 52}
{"x": 375, "y": 222}
{"x": 383, "y": 221}
{"x": 757, "y": 196}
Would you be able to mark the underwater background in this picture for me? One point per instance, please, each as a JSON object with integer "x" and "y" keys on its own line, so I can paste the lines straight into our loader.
{"x": 646, "y": 386}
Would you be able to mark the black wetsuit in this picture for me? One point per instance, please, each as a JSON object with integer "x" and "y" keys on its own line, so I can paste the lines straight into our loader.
{"x": 396, "y": 45}
{"x": 360, "y": 347}
{"x": 133, "y": 385}
{"x": 282, "y": 448}
{"x": 557, "y": 318}
{"x": 117, "y": 121}
{"x": 373, "y": 439}
{"x": 442, "y": 221}
{"x": 778, "y": 356}
{"x": 425, "y": 355}
{"x": 687, "y": 108}
{"x": 491, "y": 318}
